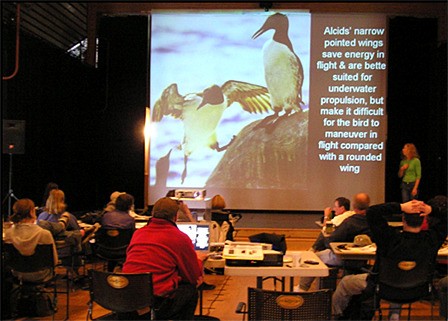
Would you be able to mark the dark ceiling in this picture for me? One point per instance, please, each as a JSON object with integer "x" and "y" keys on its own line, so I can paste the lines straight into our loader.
{"x": 62, "y": 24}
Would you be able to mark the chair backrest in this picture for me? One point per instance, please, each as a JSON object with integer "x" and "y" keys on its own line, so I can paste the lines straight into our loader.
{"x": 112, "y": 243}
{"x": 41, "y": 259}
{"x": 113, "y": 238}
{"x": 404, "y": 281}
{"x": 121, "y": 292}
{"x": 276, "y": 305}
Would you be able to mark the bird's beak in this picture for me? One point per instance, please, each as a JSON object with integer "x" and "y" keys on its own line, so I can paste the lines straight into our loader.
{"x": 259, "y": 32}
{"x": 202, "y": 104}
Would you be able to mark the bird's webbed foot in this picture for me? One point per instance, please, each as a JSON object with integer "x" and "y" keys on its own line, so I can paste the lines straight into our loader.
{"x": 222, "y": 148}
{"x": 267, "y": 121}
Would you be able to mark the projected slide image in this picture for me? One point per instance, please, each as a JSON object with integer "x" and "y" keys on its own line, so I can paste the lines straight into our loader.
{"x": 273, "y": 110}
{"x": 225, "y": 95}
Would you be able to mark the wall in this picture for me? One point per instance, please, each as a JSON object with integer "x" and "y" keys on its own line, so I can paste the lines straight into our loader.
{"x": 57, "y": 97}
{"x": 84, "y": 125}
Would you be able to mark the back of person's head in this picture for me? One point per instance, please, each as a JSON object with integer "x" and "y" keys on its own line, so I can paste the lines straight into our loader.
{"x": 22, "y": 209}
{"x": 438, "y": 205}
{"x": 171, "y": 193}
{"x": 124, "y": 202}
{"x": 113, "y": 199}
{"x": 56, "y": 202}
{"x": 361, "y": 202}
{"x": 50, "y": 186}
{"x": 413, "y": 220}
{"x": 165, "y": 208}
{"x": 218, "y": 202}
{"x": 345, "y": 202}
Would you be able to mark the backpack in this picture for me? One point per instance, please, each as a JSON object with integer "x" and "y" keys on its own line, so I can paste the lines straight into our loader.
{"x": 31, "y": 301}
{"x": 222, "y": 226}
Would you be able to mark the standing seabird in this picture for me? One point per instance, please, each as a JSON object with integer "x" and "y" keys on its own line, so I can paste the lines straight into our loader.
{"x": 202, "y": 112}
{"x": 283, "y": 69}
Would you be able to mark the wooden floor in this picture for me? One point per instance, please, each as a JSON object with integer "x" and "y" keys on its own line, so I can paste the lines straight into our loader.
{"x": 220, "y": 302}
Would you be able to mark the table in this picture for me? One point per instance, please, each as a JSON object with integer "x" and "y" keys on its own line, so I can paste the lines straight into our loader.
{"x": 370, "y": 253}
{"x": 289, "y": 269}
{"x": 212, "y": 263}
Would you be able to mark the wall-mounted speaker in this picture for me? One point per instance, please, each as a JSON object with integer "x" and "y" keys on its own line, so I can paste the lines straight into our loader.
{"x": 13, "y": 137}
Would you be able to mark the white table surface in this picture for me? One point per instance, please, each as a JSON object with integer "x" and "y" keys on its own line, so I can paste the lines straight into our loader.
{"x": 288, "y": 269}
{"x": 360, "y": 254}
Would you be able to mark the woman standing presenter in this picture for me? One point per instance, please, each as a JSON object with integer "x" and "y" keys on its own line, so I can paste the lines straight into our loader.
{"x": 410, "y": 172}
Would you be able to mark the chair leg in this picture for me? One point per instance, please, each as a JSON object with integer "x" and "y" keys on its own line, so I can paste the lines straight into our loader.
{"x": 409, "y": 311}
{"x": 380, "y": 314}
{"x": 67, "y": 312}
{"x": 201, "y": 296}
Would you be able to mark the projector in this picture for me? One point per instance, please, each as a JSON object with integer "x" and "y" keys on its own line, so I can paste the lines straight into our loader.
{"x": 190, "y": 193}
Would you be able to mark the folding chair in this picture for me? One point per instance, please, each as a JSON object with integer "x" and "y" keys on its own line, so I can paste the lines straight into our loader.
{"x": 279, "y": 305}
{"x": 120, "y": 292}
{"x": 41, "y": 260}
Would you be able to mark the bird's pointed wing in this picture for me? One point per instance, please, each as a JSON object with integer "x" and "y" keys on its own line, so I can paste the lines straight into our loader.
{"x": 252, "y": 98}
{"x": 296, "y": 65}
{"x": 169, "y": 103}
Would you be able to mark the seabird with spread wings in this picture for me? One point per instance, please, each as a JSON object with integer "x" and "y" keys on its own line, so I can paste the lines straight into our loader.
{"x": 202, "y": 112}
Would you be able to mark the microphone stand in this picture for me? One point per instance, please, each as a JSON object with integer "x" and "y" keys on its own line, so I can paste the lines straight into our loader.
{"x": 10, "y": 194}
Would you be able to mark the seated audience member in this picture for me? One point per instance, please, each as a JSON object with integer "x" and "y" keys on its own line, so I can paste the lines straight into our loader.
{"x": 341, "y": 209}
{"x": 391, "y": 244}
{"x": 59, "y": 232}
{"x": 354, "y": 225}
{"x": 161, "y": 248}
{"x": 54, "y": 210}
{"x": 25, "y": 235}
{"x": 224, "y": 218}
{"x": 113, "y": 198}
{"x": 184, "y": 214}
{"x": 112, "y": 204}
{"x": 120, "y": 218}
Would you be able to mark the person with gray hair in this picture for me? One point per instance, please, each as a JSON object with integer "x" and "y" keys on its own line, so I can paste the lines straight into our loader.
{"x": 346, "y": 232}
{"x": 162, "y": 249}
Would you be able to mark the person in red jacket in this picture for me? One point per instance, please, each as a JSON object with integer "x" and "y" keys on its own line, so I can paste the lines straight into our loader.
{"x": 161, "y": 248}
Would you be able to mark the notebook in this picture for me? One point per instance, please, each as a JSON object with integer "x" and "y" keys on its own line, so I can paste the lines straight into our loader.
{"x": 199, "y": 234}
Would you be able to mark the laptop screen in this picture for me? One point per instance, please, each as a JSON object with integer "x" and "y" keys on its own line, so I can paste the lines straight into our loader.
{"x": 199, "y": 234}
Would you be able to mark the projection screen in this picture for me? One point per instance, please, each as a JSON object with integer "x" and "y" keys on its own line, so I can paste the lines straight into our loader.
{"x": 272, "y": 110}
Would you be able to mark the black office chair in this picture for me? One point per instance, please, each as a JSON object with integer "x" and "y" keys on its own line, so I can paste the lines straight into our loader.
{"x": 72, "y": 259}
{"x": 279, "y": 305}
{"x": 120, "y": 292}
{"x": 42, "y": 259}
{"x": 403, "y": 282}
{"x": 111, "y": 245}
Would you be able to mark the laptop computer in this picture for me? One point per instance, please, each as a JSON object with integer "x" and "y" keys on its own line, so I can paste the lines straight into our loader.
{"x": 199, "y": 234}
